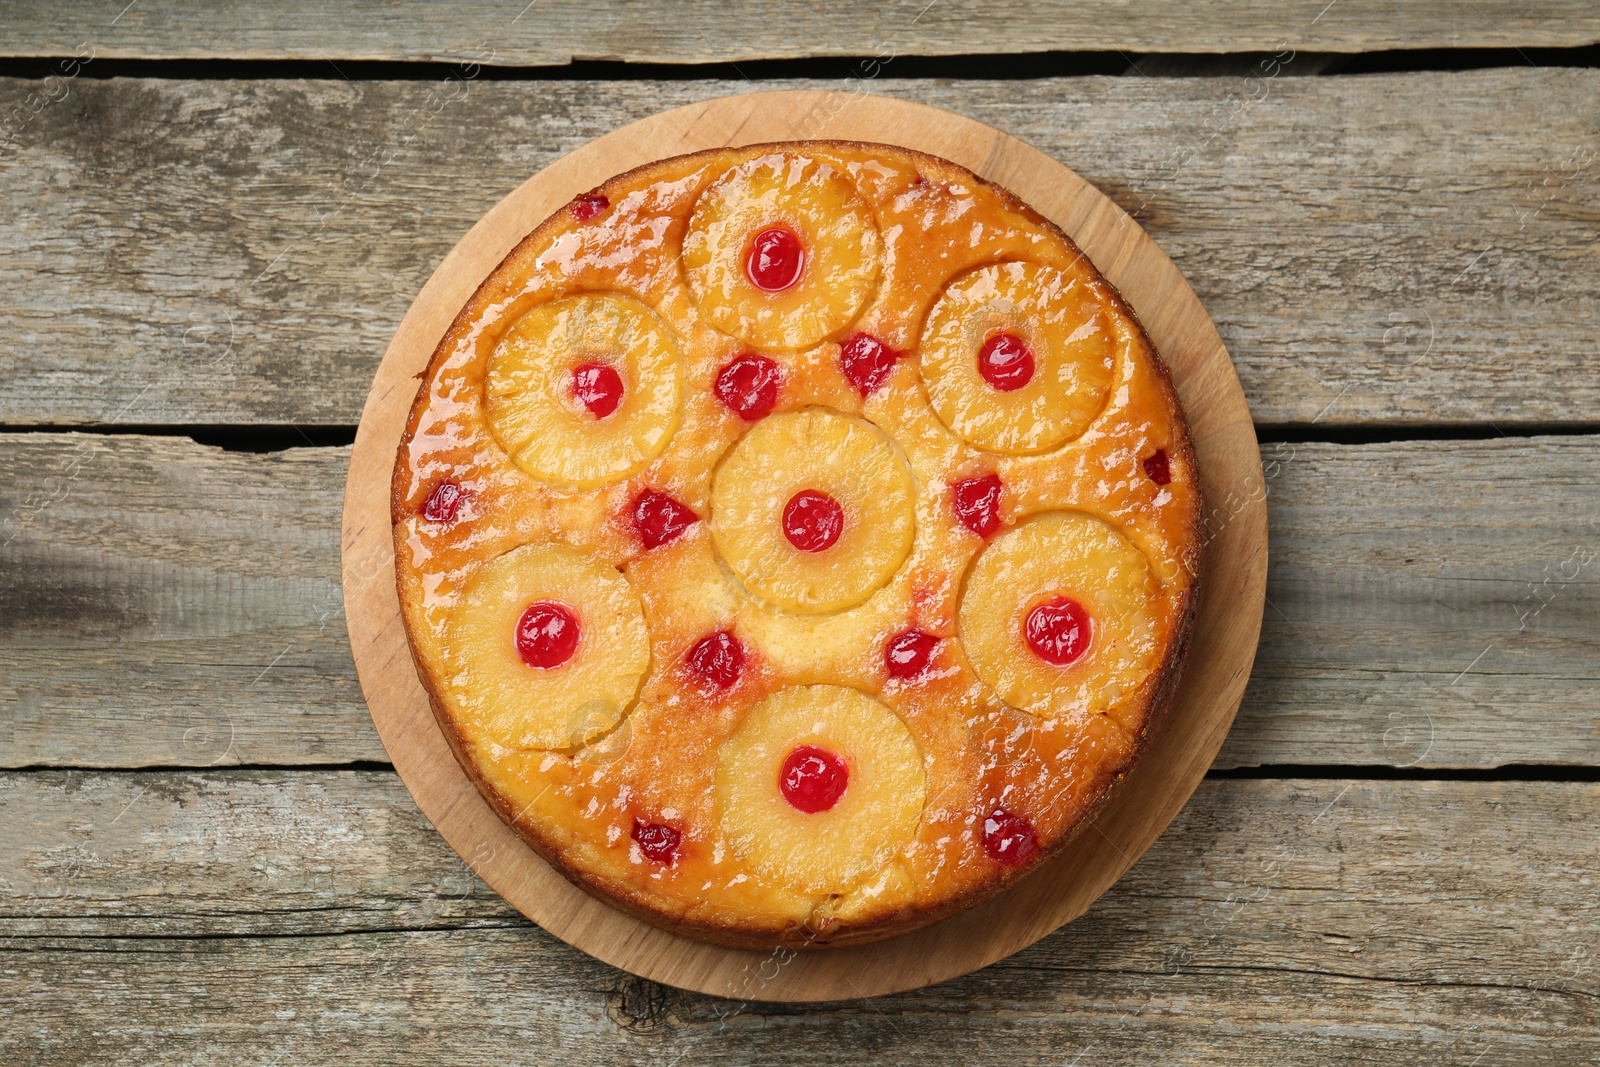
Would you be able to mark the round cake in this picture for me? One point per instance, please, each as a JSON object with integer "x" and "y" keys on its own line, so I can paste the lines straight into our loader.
{"x": 797, "y": 543}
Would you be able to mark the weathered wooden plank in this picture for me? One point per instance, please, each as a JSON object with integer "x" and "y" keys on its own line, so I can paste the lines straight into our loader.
{"x": 497, "y": 997}
{"x": 196, "y": 917}
{"x": 1432, "y": 603}
{"x": 170, "y": 603}
{"x": 560, "y": 31}
{"x": 240, "y": 252}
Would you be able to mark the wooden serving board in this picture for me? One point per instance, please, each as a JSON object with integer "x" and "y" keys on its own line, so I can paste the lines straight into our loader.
{"x": 1226, "y": 630}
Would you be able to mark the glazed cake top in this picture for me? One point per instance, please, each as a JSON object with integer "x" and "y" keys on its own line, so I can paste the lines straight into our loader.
{"x": 832, "y": 415}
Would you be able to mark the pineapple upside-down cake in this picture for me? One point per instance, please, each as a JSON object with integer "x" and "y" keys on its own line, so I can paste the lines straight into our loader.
{"x": 798, "y": 542}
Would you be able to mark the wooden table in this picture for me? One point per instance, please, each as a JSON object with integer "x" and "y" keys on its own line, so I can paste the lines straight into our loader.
{"x": 216, "y": 214}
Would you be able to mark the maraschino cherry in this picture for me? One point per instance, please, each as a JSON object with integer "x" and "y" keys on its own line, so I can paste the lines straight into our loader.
{"x": 813, "y": 779}
{"x": 977, "y": 503}
{"x": 1058, "y": 631}
{"x": 717, "y": 659}
{"x": 547, "y": 634}
{"x": 909, "y": 654}
{"x": 443, "y": 503}
{"x": 749, "y": 386}
{"x": 588, "y": 206}
{"x": 1009, "y": 839}
{"x": 1158, "y": 468}
{"x": 1006, "y": 362}
{"x": 776, "y": 259}
{"x": 866, "y": 362}
{"x": 812, "y": 520}
{"x": 597, "y": 387}
{"x": 657, "y": 518}
{"x": 659, "y": 842}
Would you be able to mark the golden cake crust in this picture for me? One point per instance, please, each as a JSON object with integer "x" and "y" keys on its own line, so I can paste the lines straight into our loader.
{"x": 655, "y": 760}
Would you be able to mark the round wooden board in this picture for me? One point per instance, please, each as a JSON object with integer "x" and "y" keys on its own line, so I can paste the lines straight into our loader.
{"x": 1226, "y": 630}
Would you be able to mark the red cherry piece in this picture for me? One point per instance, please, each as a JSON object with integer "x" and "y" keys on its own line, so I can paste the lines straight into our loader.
{"x": 588, "y": 206}
{"x": 1009, "y": 839}
{"x": 660, "y": 843}
{"x": 717, "y": 659}
{"x": 749, "y": 386}
{"x": 1058, "y": 631}
{"x": 977, "y": 503}
{"x": 776, "y": 259}
{"x": 866, "y": 361}
{"x": 597, "y": 387}
{"x": 547, "y": 634}
{"x": 909, "y": 653}
{"x": 813, "y": 779}
{"x": 812, "y": 520}
{"x": 657, "y": 518}
{"x": 443, "y": 503}
{"x": 1006, "y": 362}
{"x": 1158, "y": 467}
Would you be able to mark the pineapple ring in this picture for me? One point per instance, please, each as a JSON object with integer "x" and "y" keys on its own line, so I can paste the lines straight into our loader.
{"x": 836, "y": 230}
{"x": 529, "y": 389}
{"x": 874, "y": 819}
{"x": 849, "y": 460}
{"x": 1059, "y": 317}
{"x": 1071, "y": 555}
{"x": 501, "y": 700}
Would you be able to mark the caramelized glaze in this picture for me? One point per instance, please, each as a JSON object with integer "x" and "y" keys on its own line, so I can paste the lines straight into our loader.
{"x": 605, "y": 812}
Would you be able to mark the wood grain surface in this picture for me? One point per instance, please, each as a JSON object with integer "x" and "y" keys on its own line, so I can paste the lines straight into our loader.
{"x": 233, "y": 916}
{"x": 175, "y": 604}
{"x": 724, "y": 31}
{"x": 1220, "y": 644}
{"x": 214, "y": 252}
{"x": 1385, "y": 255}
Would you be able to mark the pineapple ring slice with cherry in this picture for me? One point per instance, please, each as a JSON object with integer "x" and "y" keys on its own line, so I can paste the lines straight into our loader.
{"x": 1017, "y": 357}
{"x": 1061, "y": 615}
{"x": 585, "y": 391}
{"x": 545, "y": 649}
{"x": 820, "y": 786}
{"x": 813, "y": 510}
{"x": 782, "y": 253}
